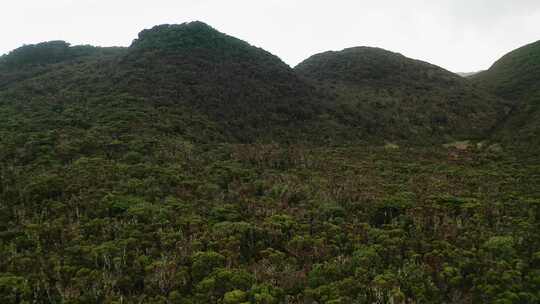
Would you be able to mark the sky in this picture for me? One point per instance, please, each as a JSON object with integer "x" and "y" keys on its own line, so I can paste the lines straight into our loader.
{"x": 459, "y": 35}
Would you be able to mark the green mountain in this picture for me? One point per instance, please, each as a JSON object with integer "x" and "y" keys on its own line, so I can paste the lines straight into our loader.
{"x": 186, "y": 81}
{"x": 249, "y": 92}
{"x": 194, "y": 168}
{"x": 207, "y": 86}
{"x": 516, "y": 77}
{"x": 388, "y": 96}
{"x": 31, "y": 60}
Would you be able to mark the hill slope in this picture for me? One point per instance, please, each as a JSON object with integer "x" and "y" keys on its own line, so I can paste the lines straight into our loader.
{"x": 247, "y": 90}
{"x": 31, "y": 60}
{"x": 125, "y": 177}
{"x": 184, "y": 81}
{"x": 387, "y": 95}
{"x": 516, "y": 77}
{"x": 192, "y": 81}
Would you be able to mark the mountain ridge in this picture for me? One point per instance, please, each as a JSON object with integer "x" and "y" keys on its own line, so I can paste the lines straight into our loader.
{"x": 250, "y": 94}
{"x": 423, "y": 97}
{"x": 194, "y": 168}
{"x": 516, "y": 77}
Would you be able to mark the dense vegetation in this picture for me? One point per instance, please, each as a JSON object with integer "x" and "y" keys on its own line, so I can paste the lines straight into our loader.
{"x": 516, "y": 77}
{"x": 516, "y": 74}
{"x": 249, "y": 92}
{"x": 194, "y": 168}
{"x": 388, "y": 96}
{"x": 31, "y": 60}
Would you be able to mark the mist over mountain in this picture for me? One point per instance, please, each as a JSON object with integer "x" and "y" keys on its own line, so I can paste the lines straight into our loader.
{"x": 468, "y": 74}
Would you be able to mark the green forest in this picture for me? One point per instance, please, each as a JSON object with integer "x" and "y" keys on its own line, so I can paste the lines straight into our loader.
{"x": 192, "y": 167}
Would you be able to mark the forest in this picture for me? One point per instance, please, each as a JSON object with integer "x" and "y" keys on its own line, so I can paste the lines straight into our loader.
{"x": 192, "y": 167}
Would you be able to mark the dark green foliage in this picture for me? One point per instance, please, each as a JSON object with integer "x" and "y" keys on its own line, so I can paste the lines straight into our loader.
{"x": 216, "y": 224}
{"x": 194, "y": 168}
{"x": 46, "y": 53}
{"x": 386, "y": 96}
{"x": 516, "y": 77}
{"x": 189, "y": 38}
{"x": 250, "y": 93}
{"x": 35, "y": 59}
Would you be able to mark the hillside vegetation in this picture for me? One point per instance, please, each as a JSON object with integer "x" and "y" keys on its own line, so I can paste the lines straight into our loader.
{"x": 388, "y": 96}
{"x": 249, "y": 92}
{"x": 516, "y": 74}
{"x": 516, "y": 77}
{"x": 187, "y": 80}
{"x": 32, "y": 60}
{"x": 192, "y": 167}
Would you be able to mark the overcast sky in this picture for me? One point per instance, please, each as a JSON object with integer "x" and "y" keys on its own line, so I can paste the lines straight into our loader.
{"x": 459, "y": 35}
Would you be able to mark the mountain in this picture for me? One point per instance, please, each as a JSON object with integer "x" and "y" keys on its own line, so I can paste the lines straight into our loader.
{"x": 31, "y": 60}
{"x": 185, "y": 81}
{"x": 386, "y": 95}
{"x": 206, "y": 86}
{"x": 192, "y": 167}
{"x": 516, "y": 77}
{"x": 467, "y": 74}
{"x": 249, "y": 92}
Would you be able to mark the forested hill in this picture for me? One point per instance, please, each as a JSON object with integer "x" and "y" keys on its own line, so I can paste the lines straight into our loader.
{"x": 188, "y": 79}
{"x": 250, "y": 93}
{"x": 387, "y": 95}
{"x": 194, "y": 168}
{"x": 31, "y": 60}
{"x": 210, "y": 87}
{"x": 516, "y": 77}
